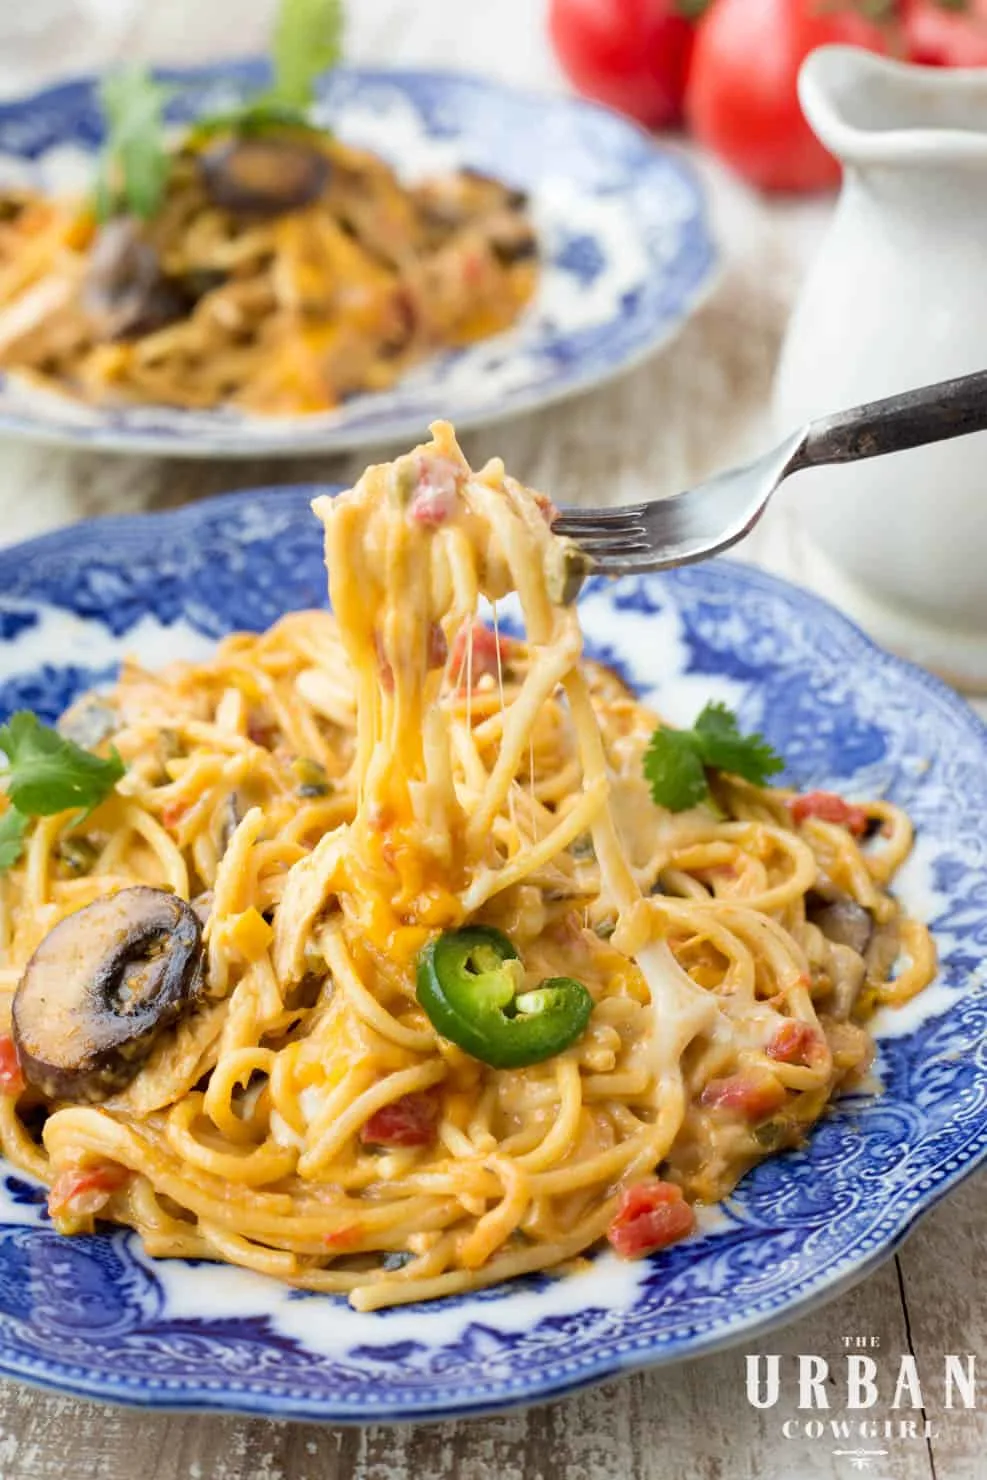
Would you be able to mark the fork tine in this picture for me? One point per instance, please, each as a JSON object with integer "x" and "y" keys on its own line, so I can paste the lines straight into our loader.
{"x": 603, "y": 541}
{"x": 578, "y": 523}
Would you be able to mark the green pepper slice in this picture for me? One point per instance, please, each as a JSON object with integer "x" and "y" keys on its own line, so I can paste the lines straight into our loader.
{"x": 468, "y": 984}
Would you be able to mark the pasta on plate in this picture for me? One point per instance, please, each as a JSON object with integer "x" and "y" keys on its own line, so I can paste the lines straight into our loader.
{"x": 278, "y": 273}
{"x": 380, "y": 971}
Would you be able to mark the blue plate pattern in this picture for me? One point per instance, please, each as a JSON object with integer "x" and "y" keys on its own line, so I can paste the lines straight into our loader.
{"x": 627, "y": 252}
{"x": 97, "y": 1316}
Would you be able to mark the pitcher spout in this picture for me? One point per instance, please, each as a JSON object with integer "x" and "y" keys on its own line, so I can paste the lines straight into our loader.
{"x": 869, "y": 110}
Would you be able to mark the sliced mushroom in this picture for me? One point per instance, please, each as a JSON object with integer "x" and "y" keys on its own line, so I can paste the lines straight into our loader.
{"x": 847, "y": 972}
{"x": 101, "y": 987}
{"x": 126, "y": 293}
{"x": 841, "y": 920}
{"x": 883, "y": 950}
{"x": 263, "y": 176}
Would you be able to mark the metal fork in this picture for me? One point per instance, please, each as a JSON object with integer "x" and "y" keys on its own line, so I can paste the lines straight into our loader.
{"x": 710, "y": 518}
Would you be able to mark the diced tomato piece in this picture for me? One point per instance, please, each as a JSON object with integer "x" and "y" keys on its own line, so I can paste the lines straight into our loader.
{"x": 754, "y": 1096}
{"x": 488, "y": 651}
{"x": 438, "y": 648}
{"x": 409, "y": 1121}
{"x": 261, "y": 732}
{"x": 435, "y": 497}
{"x": 173, "y": 814}
{"x": 85, "y": 1190}
{"x": 343, "y": 1238}
{"x": 795, "y": 1042}
{"x": 11, "y": 1078}
{"x": 432, "y": 506}
{"x": 650, "y": 1216}
{"x": 828, "y": 807}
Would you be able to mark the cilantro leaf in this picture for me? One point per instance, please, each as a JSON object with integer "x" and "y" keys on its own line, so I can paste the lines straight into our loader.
{"x": 47, "y": 773}
{"x": 726, "y": 749}
{"x": 133, "y": 167}
{"x": 13, "y": 825}
{"x": 676, "y": 762}
{"x": 308, "y": 40}
{"x": 254, "y": 117}
{"x": 674, "y": 767}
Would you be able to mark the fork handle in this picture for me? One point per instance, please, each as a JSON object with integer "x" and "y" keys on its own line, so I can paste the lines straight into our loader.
{"x": 933, "y": 413}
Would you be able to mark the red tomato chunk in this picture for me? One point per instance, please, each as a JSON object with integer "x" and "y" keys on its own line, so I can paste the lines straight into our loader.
{"x": 754, "y": 1096}
{"x": 85, "y": 1190}
{"x": 650, "y": 1216}
{"x": 795, "y": 1043}
{"x": 11, "y": 1078}
{"x": 437, "y": 493}
{"x": 488, "y": 651}
{"x": 830, "y": 808}
{"x": 438, "y": 648}
{"x": 409, "y": 1121}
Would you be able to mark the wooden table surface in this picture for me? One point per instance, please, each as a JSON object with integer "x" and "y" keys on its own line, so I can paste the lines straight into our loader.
{"x": 702, "y": 403}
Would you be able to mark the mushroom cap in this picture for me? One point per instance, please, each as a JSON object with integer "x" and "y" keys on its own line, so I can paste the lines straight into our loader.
{"x": 126, "y": 293}
{"x": 263, "y": 176}
{"x": 100, "y": 988}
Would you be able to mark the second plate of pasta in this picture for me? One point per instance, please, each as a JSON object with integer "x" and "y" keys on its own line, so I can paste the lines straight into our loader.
{"x": 524, "y": 249}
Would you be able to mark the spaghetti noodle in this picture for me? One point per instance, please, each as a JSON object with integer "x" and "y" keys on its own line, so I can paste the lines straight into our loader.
{"x": 343, "y": 791}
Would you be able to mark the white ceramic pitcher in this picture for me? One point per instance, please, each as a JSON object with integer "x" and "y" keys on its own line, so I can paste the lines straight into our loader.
{"x": 896, "y": 299}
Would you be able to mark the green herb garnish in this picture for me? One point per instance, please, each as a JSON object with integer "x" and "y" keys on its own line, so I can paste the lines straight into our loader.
{"x": 307, "y": 41}
{"x": 677, "y": 762}
{"x": 45, "y": 774}
{"x": 133, "y": 168}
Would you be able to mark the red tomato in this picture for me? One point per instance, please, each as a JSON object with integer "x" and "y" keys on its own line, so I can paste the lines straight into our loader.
{"x": 742, "y": 100}
{"x": 795, "y": 1042}
{"x": 650, "y": 1216}
{"x": 754, "y": 1095}
{"x": 409, "y": 1121}
{"x": 84, "y": 1190}
{"x": 11, "y": 1078}
{"x": 828, "y": 807}
{"x": 633, "y": 55}
{"x": 939, "y": 34}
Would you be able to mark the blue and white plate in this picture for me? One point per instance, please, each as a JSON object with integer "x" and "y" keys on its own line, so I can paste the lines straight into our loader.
{"x": 97, "y": 1316}
{"x": 627, "y": 253}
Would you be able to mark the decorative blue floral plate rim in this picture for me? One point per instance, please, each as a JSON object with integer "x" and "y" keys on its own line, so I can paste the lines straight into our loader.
{"x": 96, "y": 1316}
{"x": 627, "y": 250}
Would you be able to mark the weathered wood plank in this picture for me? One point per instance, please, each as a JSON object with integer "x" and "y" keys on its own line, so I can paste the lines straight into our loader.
{"x": 942, "y": 1266}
